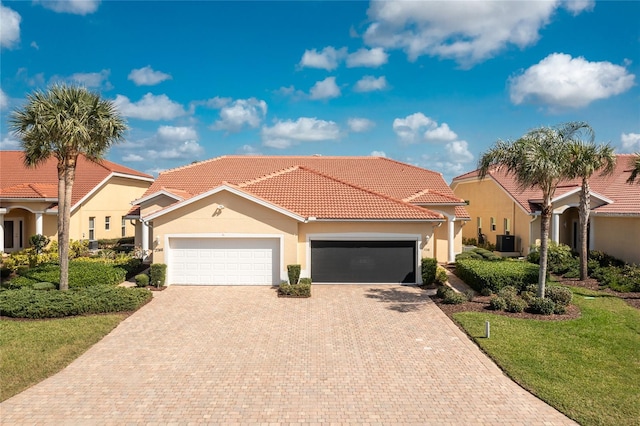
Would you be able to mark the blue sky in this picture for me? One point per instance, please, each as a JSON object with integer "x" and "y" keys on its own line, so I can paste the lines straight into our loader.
{"x": 430, "y": 83}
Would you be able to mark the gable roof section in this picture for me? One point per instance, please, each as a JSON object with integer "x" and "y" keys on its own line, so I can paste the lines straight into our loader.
{"x": 375, "y": 176}
{"x": 621, "y": 199}
{"x": 20, "y": 181}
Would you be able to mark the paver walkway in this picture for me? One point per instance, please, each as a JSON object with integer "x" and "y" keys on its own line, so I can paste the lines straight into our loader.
{"x": 239, "y": 355}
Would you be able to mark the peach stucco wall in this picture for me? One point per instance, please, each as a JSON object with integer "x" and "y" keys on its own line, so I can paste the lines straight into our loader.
{"x": 618, "y": 236}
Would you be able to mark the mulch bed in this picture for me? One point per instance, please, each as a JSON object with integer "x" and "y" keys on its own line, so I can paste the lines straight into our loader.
{"x": 632, "y": 299}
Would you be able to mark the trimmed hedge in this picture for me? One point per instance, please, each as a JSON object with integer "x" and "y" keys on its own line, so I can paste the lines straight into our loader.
{"x": 142, "y": 280}
{"x": 82, "y": 273}
{"x": 428, "y": 267}
{"x": 35, "y": 304}
{"x": 478, "y": 254}
{"x": 302, "y": 289}
{"x": 293, "y": 271}
{"x": 481, "y": 274}
{"x": 157, "y": 274}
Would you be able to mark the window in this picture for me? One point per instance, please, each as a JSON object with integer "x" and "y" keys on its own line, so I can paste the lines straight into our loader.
{"x": 123, "y": 227}
{"x": 479, "y": 224}
{"x": 507, "y": 226}
{"x": 107, "y": 223}
{"x": 493, "y": 223}
{"x": 92, "y": 224}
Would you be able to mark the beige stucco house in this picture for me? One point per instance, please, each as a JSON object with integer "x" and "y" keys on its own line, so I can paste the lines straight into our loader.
{"x": 243, "y": 219}
{"x": 497, "y": 207}
{"x": 101, "y": 198}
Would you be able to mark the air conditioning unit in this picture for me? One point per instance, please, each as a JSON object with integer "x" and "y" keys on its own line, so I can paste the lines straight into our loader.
{"x": 506, "y": 243}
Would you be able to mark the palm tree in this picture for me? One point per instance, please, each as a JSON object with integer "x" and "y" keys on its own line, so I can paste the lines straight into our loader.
{"x": 538, "y": 159}
{"x": 635, "y": 169}
{"x": 585, "y": 159}
{"x": 64, "y": 122}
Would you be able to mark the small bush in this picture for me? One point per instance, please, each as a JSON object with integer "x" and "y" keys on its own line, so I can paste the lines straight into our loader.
{"x": 486, "y": 292}
{"x": 28, "y": 303}
{"x": 497, "y": 303}
{"x": 429, "y": 269}
{"x": 542, "y": 306}
{"x": 78, "y": 249}
{"x": 296, "y": 290}
{"x": 293, "y": 272}
{"x": 441, "y": 275}
{"x": 479, "y": 274}
{"x": 305, "y": 281}
{"x": 508, "y": 292}
{"x": 559, "y": 295}
{"x": 469, "y": 294}
{"x": 44, "y": 286}
{"x": 142, "y": 280}
{"x": 516, "y": 305}
{"x": 38, "y": 242}
{"x": 158, "y": 274}
{"x": 443, "y": 290}
{"x": 454, "y": 298}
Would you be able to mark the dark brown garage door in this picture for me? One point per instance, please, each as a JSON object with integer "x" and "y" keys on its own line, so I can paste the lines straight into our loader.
{"x": 363, "y": 261}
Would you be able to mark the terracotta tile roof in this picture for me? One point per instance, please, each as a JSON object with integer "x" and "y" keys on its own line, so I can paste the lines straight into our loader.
{"x": 625, "y": 197}
{"x": 376, "y": 176}
{"x": 20, "y": 181}
{"x": 312, "y": 194}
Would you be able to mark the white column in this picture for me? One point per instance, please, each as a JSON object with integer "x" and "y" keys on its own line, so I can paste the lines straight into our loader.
{"x": 39, "y": 223}
{"x": 592, "y": 234}
{"x": 1, "y": 232}
{"x": 451, "y": 239}
{"x": 145, "y": 240}
{"x": 555, "y": 227}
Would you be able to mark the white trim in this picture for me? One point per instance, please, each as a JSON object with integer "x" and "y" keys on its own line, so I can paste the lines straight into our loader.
{"x": 157, "y": 194}
{"x": 577, "y": 190}
{"x": 375, "y": 220}
{"x": 364, "y": 236}
{"x": 213, "y": 235}
{"x": 104, "y": 182}
{"x": 8, "y": 209}
{"x": 231, "y": 190}
{"x": 21, "y": 235}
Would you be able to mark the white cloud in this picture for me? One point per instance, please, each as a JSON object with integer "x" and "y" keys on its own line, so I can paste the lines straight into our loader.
{"x": 369, "y": 83}
{"x": 10, "y": 28}
{"x": 4, "y": 100}
{"x": 467, "y": 32}
{"x": 325, "y": 89}
{"x": 562, "y": 81}
{"x": 371, "y": 58}
{"x": 358, "y": 125}
{"x": 76, "y": 7}
{"x": 35, "y": 45}
{"x": 91, "y": 79}
{"x": 239, "y": 113}
{"x": 284, "y": 134}
{"x": 248, "y": 150}
{"x": 176, "y": 134}
{"x": 378, "y": 154}
{"x": 578, "y": 6}
{"x": 146, "y": 76}
{"x": 217, "y": 102}
{"x": 9, "y": 142}
{"x": 168, "y": 143}
{"x": 133, "y": 158}
{"x": 150, "y": 107}
{"x": 459, "y": 152}
{"x": 630, "y": 142}
{"x": 328, "y": 58}
{"x": 411, "y": 126}
{"x": 440, "y": 133}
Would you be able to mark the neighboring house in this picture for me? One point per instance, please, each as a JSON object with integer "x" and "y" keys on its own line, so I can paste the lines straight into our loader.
{"x": 497, "y": 207}
{"x": 243, "y": 219}
{"x": 101, "y": 198}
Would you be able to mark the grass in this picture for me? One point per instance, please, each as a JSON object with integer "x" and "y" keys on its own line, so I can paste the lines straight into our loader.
{"x": 34, "y": 350}
{"x": 588, "y": 368}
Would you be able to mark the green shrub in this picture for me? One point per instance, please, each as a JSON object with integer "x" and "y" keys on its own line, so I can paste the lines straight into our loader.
{"x": 28, "y": 303}
{"x": 38, "y": 242}
{"x": 441, "y": 275}
{"x": 443, "y": 290}
{"x": 454, "y": 298}
{"x": 78, "y": 248}
{"x": 468, "y": 255}
{"x": 469, "y": 241}
{"x": 296, "y": 290}
{"x": 497, "y": 303}
{"x": 305, "y": 281}
{"x": 622, "y": 279}
{"x": 293, "y": 272}
{"x": 508, "y": 292}
{"x": 542, "y": 306}
{"x": 486, "y": 292}
{"x": 82, "y": 273}
{"x": 560, "y": 259}
{"x": 469, "y": 294}
{"x": 479, "y": 274}
{"x": 560, "y": 310}
{"x": 428, "y": 268}
{"x": 603, "y": 259}
{"x": 44, "y": 286}
{"x": 516, "y": 305}
{"x": 158, "y": 274}
{"x": 559, "y": 295}
{"x": 142, "y": 280}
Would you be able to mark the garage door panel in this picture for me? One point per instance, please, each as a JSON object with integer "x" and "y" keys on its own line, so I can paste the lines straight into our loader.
{"x": 224, "y": 261}
{"x": 363, "y": 261}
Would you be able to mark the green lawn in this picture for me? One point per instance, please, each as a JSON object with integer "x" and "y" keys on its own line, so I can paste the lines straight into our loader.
{"x": 588, "y": 368}
{"x": 34, "y": 350}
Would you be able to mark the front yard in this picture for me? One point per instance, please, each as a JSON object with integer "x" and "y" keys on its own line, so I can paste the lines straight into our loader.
{"x": 588, "y": 368}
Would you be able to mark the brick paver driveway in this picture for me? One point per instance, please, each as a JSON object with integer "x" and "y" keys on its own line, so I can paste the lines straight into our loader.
{"x": 350, "y": 354}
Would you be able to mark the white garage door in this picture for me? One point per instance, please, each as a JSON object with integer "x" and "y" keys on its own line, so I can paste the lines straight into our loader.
{"x": 224, "y": 261}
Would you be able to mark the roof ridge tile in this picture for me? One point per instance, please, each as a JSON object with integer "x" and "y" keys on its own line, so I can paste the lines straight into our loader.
{"x": 267, "y": 176}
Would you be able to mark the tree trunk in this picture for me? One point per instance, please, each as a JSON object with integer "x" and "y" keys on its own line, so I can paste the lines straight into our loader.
{"x": 69, "y": 176}
{"x": 544, "y": 247}
{"x": 63, "y": 257}
{"x": 584, "y": 223}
